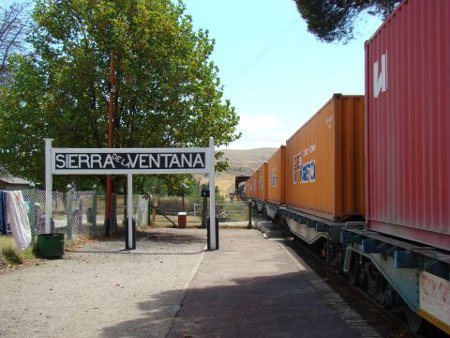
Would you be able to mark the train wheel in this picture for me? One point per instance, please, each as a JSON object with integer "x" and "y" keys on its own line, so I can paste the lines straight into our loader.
{"x": 355, "y": 270}
{"x": 415, "y": 322}
{"x": 336, "y": 256}
{"x": 389, "y": 298}
{"x": 324, "y": 251}
{"x": 372, "y": 280}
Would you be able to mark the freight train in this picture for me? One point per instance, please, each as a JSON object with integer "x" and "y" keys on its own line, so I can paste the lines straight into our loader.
{"x": 366, "y": 180}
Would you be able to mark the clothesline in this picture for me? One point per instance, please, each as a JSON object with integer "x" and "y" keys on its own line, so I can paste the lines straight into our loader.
{"x": 14, "y": 218}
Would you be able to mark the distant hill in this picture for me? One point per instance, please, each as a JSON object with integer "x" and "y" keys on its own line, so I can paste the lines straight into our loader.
{"x": 242, "y": 163}
{"x": 245, "y": 162}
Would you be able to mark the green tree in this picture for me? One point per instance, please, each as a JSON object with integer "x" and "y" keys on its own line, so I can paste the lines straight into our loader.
{"x": 168, "y": 93}
{"x": 333, "y": 20}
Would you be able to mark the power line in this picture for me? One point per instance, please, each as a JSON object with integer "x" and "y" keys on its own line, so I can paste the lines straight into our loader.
{"x": 256, "y": 59}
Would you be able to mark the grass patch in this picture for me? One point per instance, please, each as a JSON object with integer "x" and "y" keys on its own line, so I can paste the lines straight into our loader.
{"x": 6, "y": 241}
{"x": 11, "y": 256}
{"x": 9, "y": 253}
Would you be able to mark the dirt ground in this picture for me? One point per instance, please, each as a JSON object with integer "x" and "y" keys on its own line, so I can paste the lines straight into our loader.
{"x": 101, "y": 290}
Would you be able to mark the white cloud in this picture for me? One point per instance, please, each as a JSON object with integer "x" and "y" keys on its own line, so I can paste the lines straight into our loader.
{"x": 259, "y": 131}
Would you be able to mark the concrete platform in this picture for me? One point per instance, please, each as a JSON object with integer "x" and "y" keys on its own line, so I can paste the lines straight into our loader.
{"x": 254, "y": 287}
{"x": 171, "y": 287}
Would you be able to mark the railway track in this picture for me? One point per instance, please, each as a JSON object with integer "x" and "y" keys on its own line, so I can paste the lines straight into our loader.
{"x": 387, "y": 323}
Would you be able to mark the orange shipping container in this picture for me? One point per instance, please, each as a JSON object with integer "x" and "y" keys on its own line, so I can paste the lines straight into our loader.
{"x": 325, "y": 161}
{"x": 276, "y": 173}
{"x": 248, "y": 185}
{"x": 254, "y": 185}
{"x": 262, "y": 183}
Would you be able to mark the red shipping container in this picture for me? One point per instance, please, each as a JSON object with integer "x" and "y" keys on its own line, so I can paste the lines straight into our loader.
{"x": 276, "y": 176}
{"x": 408, "y": 124}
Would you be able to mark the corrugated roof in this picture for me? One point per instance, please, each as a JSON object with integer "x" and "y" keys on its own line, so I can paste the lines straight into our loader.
{"x": 12, "y": 180}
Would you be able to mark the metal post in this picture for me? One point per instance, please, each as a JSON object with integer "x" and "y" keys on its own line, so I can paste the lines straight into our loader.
{"x": 249, "y": 204}
{"x": 152, "y": 204}
{"x": 149, "y": 212}
{"x": 48, "y": 184}
{"x": 33, "y": 209}
{"x": 131, "y": 238}
{"x": 70, "y": 212}
{"x": 212, "y": 198}
{"x": 94, "y": 210}
{"x": 204, "y": 211}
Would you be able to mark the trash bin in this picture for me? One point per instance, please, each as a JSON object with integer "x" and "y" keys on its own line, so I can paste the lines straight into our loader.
{"x": 182, "y": 219}
{"x": 50, "y": 245}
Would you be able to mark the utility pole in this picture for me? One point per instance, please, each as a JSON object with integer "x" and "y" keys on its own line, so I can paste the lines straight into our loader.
{"x": 112, "y": 90}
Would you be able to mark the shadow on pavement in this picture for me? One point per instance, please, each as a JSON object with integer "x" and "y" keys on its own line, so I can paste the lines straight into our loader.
{"x": 271, "y": 306}
{"x": 175, "y": 238}
{"x": 144, "y": 243}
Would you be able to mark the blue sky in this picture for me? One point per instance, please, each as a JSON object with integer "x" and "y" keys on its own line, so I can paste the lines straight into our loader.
{"x": 275, "y": 73}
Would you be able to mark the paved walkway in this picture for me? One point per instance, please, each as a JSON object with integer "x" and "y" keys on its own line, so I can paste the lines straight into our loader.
{"x": 253, "y": 287}
{"x": 171, "y": 287}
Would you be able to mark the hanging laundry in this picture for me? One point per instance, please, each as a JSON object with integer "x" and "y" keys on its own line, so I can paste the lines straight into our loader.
{"x": 3, "y": 218}
{"x": 18, "y": 219}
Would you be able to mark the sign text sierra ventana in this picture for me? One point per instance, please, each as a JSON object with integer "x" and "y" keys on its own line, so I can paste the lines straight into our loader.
{"x": 133, "y": 161}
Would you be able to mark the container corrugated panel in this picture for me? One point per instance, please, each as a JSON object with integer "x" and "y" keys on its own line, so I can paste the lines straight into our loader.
{"x": 255, "y": 185}
{"x": 251, "y": 193}
{"x": 408, "y": 124}
{"x": 276, "y": 175}
{"x": 325, "y": 161}
{"x": 248, "y": 185}
{"x": 262, "y": 182}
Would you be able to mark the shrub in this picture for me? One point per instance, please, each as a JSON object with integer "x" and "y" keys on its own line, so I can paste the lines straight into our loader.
{"x": 11, "y": 256}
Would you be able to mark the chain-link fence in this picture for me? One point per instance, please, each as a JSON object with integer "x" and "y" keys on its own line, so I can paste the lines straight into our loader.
{"x": 232, "y": 211}
{"x": 236, "y": 211}
{"x": 225, "y": 211}
{"x": 82, "y": 213}
{"x": 173, "y": 205}
{"x": 70, "y": 213}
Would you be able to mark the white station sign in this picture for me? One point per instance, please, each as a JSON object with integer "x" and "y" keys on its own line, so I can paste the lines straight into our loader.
{"x": 102, "y": 161}
{"x": 129, "y": 161}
